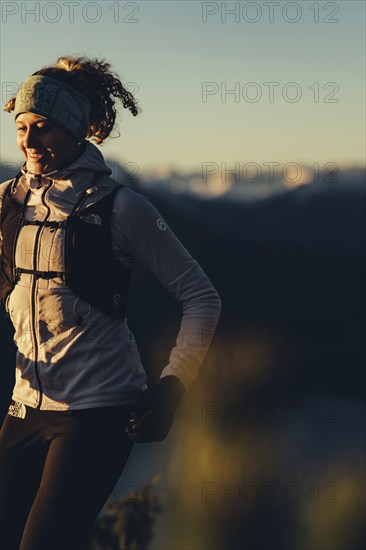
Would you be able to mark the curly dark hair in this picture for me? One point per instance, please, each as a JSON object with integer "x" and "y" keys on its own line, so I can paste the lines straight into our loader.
{"x": 94, "y": 79}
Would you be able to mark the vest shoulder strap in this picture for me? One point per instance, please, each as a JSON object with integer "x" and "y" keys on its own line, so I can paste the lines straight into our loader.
{"x": 102, "y": 204}
{"x": 11, "y": 185}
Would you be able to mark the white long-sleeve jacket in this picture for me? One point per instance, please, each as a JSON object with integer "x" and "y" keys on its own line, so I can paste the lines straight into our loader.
{"x": 61, "y": 365}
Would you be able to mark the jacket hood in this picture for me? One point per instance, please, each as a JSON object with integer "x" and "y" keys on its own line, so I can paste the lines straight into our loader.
{"x": 91, "y": 160}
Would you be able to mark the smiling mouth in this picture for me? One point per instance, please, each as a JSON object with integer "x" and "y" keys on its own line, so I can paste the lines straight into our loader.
{"x": 35, "y": 157}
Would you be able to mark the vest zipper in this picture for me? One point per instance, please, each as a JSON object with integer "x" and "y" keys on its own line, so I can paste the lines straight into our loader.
{"x": 33, "y": 291}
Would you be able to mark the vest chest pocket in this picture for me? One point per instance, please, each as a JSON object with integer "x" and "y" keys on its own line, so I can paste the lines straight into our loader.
{"x": 85, "y": 246}
{"x": 90, "y": 244}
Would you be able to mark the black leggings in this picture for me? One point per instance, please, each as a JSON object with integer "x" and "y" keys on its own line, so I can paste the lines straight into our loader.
{"x": 57, "y": 470}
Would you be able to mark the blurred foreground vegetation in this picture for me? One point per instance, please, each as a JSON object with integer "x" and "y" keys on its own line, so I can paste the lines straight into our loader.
{"x": 128, "y": 524}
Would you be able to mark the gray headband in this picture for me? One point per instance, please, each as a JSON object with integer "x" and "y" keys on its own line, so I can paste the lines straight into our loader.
{"x": 56, "y": 101}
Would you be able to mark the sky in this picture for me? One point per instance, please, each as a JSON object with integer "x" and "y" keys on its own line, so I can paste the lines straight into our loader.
{"x": 296, "y": 72}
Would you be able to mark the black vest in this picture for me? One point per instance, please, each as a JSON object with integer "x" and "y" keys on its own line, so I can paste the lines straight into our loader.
{"x": 91, "y": 269}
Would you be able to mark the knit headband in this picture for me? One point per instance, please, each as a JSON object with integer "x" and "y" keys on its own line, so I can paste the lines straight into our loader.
{"x": 56, "y": 101}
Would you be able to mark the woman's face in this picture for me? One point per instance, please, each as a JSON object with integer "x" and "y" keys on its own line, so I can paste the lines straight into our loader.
{"x": 45, "y": 146}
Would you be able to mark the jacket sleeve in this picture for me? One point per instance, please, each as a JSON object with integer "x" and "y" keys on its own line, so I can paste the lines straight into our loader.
{"x": 139, "y": 230}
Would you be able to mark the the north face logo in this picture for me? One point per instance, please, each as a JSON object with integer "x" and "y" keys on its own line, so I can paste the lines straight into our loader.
{"x": 116, "y": 299}
{"x": 161, "y": 224}
{"x": 17, "y": 409}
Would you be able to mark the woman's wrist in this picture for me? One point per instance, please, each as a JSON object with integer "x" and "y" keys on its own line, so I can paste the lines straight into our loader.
{"x": 174, "y": 388}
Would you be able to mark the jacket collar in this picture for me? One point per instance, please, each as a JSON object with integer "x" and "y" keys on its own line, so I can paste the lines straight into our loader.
{"x": 77, "y": 174}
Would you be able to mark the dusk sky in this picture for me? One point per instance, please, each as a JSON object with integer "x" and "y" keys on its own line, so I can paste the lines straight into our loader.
{"x": 179, "y": 58}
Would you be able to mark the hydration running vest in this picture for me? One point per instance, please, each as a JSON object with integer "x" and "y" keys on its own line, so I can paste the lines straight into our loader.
{"x": 91, "y": 269}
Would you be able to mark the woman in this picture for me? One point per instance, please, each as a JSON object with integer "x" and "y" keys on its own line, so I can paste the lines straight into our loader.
{"x": 70, "y": 236}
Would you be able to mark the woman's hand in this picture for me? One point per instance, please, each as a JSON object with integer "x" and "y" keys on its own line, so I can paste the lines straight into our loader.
{"x": 152, "y": 415}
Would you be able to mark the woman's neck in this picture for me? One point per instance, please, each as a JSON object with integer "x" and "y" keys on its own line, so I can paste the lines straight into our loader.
{"x": 77, "y": 155}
